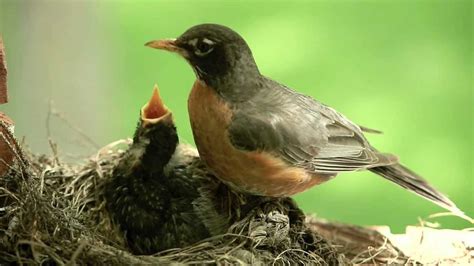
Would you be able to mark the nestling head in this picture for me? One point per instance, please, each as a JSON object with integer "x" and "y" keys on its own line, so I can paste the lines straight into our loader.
{"x": 156, "y": 121}
{"x": 156, "y": 132}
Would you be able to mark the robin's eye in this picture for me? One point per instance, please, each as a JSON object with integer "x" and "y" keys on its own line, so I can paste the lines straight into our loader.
{"x": 204, "y": 47}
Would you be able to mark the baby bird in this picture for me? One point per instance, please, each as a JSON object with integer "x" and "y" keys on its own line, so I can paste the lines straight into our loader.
{"x": 150, "y": 205}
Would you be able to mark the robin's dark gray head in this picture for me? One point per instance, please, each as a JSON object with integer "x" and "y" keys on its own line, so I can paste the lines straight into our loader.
{"x": 219, "y": 56}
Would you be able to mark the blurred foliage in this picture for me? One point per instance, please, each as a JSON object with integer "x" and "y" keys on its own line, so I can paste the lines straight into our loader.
{"x": 403, "y": 67}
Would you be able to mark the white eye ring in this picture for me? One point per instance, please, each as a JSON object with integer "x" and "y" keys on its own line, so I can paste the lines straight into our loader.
{"x": 208, "y": 44}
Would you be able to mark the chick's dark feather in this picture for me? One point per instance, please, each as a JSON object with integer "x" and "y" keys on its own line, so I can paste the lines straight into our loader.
{"x": 153, "y": 208}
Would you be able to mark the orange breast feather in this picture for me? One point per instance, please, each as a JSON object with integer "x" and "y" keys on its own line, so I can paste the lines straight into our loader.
{"x": 253, "y": 172}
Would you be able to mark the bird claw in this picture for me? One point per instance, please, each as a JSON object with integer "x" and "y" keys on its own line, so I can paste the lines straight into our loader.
{"x": 269, "y": 229}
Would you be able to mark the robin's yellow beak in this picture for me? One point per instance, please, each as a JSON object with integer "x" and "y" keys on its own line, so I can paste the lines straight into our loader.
{"x": 155, "y": 110}
{"x": 168, "y": 45}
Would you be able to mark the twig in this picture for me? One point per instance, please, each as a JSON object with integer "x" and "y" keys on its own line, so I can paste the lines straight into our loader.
{"x": 53, "y": 111}
{"x": 77, "y": 252}
{"x": 3, "y": 74}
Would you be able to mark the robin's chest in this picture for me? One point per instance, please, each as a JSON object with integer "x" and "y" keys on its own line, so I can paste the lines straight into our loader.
{"x": 210, "y": 117}
{"x": 254, "y": 172}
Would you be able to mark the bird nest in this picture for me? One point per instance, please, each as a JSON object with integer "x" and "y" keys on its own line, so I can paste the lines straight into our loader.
{"x": 54, "y": 212}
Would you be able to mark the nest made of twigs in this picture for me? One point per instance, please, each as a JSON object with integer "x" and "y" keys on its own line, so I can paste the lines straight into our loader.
{"x": 55, "y": 212}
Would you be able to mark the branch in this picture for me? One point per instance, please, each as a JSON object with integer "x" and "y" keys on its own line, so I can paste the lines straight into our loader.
{"x": 3, "y": 74}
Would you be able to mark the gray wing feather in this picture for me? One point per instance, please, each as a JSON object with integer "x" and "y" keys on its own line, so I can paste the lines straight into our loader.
{"x": 303, "y": 132}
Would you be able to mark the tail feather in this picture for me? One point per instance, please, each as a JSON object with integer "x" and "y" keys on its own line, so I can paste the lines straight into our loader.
{"x": 406, "y": 178}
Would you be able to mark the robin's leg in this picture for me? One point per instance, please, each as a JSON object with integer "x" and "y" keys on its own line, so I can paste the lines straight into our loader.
{"x": 285, "y": 222}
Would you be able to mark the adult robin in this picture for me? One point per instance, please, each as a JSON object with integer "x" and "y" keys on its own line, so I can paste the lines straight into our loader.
{"x": 263, "y": 138}
{"x": 148, "y": 196}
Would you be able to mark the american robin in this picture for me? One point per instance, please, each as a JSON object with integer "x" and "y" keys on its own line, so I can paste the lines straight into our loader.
{"x": 147, "y": 197}
{"x": 263, "y": 138}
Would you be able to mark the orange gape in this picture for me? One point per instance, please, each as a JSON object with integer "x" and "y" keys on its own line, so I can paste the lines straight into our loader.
{"x": 255, "y": 172}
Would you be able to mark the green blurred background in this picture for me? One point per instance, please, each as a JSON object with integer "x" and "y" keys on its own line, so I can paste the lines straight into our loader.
{"x": 403, "y": 67}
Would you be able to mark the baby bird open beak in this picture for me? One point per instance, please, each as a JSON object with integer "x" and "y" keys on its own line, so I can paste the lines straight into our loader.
{"x": 155, "y": 110}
